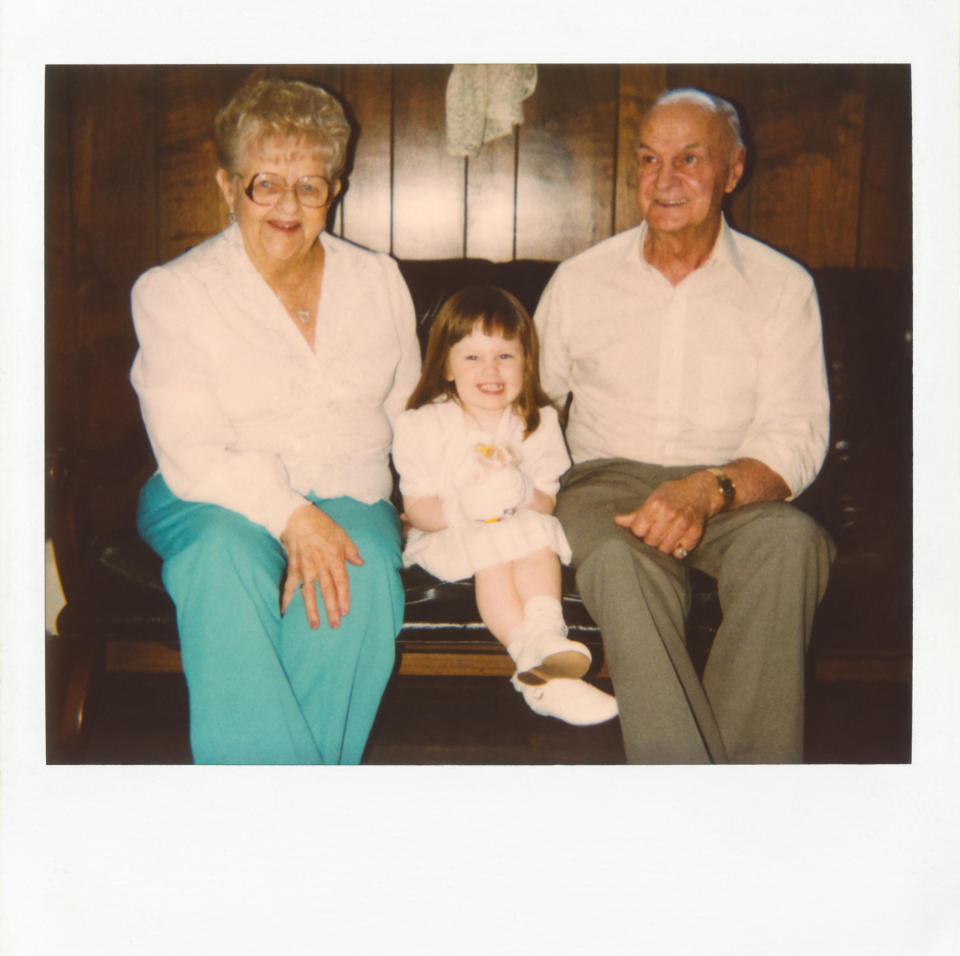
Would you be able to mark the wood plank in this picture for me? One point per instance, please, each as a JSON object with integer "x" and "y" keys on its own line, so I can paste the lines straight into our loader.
{"x": 190, "y": 206}
{"x": 565, "y": 184}
{"x": 833, "y": 185}
{"x": 639, "y": 86}
{"x": 60, "y": 284}
{"x": 113, "y": 225}
{"x": 428, "y": 184}
{"x": 462, "y": 664}
{"x": 327, "y": 75}
{"x": 112, "y": 231}
{"x": 894, "y": 670}
{"x": 366, "y": 203}
{"x": 491, "y": 186}
{"x": 886, "y": 221}
{"x": 142, "y": 657}
{"x": 60, "y": 279}
{"x": 806, "y": 126}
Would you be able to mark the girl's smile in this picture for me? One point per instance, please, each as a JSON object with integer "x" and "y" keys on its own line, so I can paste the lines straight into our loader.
{"x": 487, "y": 371}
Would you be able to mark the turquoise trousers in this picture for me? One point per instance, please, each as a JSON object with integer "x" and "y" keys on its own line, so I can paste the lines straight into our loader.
{"x": 266, "y": 688}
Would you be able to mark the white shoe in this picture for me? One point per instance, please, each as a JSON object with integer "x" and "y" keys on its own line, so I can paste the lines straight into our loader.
{"x": 573, "y": 701}
{"x": 546, "y": 655}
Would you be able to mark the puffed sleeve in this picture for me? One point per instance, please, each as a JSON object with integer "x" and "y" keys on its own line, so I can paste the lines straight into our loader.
{"x": 404, "y": 317}
{"x": 544, "y": 453}
{"x": 195, "y": 445}
{"x": 416, "y": 453}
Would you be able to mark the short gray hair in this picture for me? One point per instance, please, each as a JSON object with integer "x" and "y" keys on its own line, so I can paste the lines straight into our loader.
{"x": 285, "y": 108}
{"x": 716, "y": 104}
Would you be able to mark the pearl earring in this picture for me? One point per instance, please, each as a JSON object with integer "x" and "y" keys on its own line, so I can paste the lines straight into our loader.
{"x": 233, "y": 216}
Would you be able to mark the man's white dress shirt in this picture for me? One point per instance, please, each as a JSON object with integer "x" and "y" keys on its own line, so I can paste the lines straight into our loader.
{"x": 727, "y": 364}
{"x": 240, "y": 411}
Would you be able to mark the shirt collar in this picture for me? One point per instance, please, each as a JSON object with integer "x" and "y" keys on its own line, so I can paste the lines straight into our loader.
{"x": 723, "y": 255}
{"x": 725, "y": 252}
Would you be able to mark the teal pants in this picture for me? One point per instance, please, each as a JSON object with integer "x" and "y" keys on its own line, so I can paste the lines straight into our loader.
{"x": 266, "y": 688}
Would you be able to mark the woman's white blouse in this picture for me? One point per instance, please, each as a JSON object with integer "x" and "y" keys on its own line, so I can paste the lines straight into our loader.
{"x": 240, "y": 411}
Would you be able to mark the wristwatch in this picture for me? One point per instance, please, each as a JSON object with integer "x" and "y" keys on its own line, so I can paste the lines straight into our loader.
{"x": 725, "y": 486}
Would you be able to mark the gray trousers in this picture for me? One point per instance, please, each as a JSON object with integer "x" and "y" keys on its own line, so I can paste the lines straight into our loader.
{"x": 771, "y": 563}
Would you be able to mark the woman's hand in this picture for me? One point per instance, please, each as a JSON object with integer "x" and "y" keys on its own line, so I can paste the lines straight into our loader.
{"x": 317, "y": 551}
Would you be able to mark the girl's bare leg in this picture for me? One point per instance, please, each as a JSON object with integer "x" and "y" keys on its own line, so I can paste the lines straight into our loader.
{"x": 499, "y": 602}
{"x": 502, "y": 590}
{"x": 537, "y": 575}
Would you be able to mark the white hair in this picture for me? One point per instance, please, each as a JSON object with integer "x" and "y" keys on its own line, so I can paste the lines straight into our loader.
{"x": 716, "y": 104}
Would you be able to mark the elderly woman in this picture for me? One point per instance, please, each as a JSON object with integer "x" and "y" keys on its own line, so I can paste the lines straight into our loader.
{"x": 273, "y": 358}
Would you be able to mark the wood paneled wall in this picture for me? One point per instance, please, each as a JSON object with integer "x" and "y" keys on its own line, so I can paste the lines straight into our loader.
{"x": 829, "y": 174}
{"x": 130, "y": 168}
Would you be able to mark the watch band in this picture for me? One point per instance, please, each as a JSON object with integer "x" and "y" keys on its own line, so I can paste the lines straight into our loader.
{"x": 725, "y": 486}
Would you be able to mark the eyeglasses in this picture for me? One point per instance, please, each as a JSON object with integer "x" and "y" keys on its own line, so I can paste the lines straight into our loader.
{"x": 265, "y": 189}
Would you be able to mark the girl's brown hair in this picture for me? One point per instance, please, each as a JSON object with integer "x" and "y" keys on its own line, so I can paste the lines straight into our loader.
{"x": 499, "y": 313}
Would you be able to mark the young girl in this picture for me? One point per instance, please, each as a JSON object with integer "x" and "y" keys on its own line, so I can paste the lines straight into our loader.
{"x": 479, "y": 453}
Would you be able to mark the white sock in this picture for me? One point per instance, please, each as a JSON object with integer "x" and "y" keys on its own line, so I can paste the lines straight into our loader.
{"x": 545, "y": 611}
{"x": 517, "y": 638}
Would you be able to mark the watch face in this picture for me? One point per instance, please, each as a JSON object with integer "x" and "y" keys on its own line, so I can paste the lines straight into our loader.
{"x": 725, "y": 485}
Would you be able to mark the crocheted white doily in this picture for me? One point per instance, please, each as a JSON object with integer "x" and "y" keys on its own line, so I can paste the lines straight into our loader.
{"x": 484, "y": 101}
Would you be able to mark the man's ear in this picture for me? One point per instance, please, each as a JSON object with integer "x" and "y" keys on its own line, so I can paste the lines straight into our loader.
{"x": 736, "y": 170}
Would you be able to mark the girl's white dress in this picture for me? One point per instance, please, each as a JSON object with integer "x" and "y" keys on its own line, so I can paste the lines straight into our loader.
{"x": 434, "y": 449}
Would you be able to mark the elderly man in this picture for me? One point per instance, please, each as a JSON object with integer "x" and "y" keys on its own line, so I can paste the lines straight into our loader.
{"x": 694, "y": 358}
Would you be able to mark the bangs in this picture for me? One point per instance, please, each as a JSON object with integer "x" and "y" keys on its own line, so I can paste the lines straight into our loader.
{"x": 489, "y": 323}
{"x": 506, "y": 325}
{"x": 490, "y": 307}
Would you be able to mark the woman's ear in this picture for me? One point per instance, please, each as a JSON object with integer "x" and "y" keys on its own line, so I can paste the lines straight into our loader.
{"x": 225, "y": 182}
